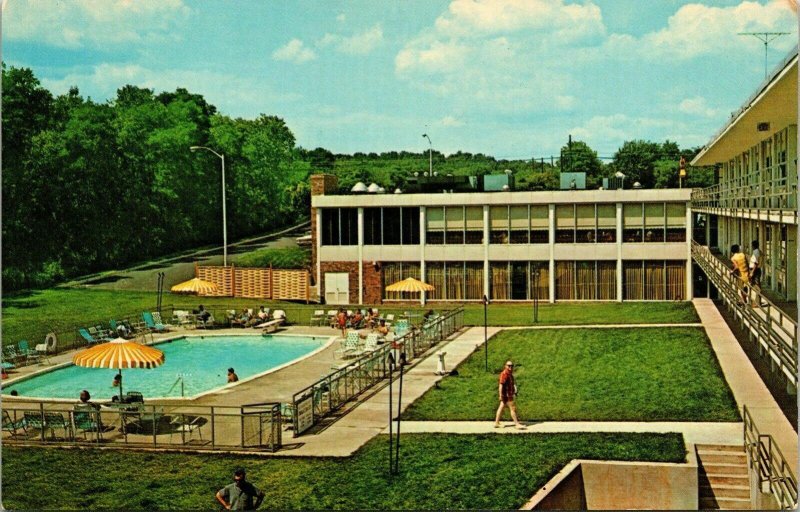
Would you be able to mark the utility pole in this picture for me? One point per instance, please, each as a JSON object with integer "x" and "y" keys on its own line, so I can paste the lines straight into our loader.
{"x": 766, "y": 38}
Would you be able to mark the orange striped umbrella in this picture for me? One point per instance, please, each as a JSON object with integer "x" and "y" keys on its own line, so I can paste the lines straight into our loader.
{"x": 118, "y": 354}
{"x": 196, "y": 285}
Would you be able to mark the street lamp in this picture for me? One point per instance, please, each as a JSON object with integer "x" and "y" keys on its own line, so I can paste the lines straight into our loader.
{"x": 485, "y": 331}
{"x": 224, "y": 214}
{"x": 430, "y": 155}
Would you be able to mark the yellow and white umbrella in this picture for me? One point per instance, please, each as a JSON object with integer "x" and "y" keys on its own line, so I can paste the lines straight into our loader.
{"x": 411, "y": 285}
{"x": 118, "y": 354}
{"x": 196, "y": 286}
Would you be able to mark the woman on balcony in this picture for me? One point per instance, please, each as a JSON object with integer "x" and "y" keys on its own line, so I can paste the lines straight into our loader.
{"x": 739, "y": 269}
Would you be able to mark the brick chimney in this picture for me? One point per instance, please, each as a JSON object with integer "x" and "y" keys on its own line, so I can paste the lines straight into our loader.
{"x": 321, "y": 184}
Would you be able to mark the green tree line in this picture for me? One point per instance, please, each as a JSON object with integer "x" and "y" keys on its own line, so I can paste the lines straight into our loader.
{"x": 89, "y": 186}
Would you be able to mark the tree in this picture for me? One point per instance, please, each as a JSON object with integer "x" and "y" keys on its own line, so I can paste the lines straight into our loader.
{"x": 579, "y": 157}
{"x": 636, "y": 160}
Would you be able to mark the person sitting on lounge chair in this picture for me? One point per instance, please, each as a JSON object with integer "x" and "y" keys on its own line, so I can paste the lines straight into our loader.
{"x": 85, "y": 397}
{"x": 382, "y": 329}
{"x": 242, "y": 320}
{"x": 372, "y": 318}
{"x": 356, "y": 319}
{"x": 202, "y": 314}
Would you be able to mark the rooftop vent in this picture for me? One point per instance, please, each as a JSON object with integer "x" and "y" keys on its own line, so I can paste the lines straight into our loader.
{"x": 359, "y": 188}
{"x": 373, "y": 188}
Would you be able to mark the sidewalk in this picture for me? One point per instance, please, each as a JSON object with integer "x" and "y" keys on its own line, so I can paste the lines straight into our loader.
{"x": 748, "y": 388}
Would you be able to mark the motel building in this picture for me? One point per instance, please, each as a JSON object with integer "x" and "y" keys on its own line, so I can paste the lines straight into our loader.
{"x": 568, "y": 245}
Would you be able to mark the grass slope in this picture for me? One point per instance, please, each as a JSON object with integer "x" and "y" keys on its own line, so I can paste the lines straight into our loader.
{"x": 437, "y": 472}
{"x": 629, "y": 374}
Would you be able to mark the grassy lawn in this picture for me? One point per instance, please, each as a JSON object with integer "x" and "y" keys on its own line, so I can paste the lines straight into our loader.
{"x": 629, "y": 374}
{"x": 32, "y": 315}
{"x": 436, "y": 472}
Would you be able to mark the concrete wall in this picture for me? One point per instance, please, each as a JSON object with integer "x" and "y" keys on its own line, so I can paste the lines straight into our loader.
{"x": 618, "y": 485}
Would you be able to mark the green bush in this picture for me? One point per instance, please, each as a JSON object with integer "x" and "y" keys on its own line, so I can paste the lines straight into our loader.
{"x": 287, "y": 257}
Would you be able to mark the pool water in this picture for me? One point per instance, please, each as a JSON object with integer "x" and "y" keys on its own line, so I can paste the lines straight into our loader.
{"x": 201, "y": 361}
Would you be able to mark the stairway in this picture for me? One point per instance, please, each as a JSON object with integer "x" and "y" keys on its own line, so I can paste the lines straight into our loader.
{"x": 723, "y": 479}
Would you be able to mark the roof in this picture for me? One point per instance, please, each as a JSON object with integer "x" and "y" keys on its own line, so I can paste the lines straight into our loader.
{"x": 773, "y": 102}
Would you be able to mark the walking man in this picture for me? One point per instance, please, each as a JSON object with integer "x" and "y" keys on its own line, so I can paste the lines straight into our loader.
{"x": 241, "y": 494}
{"x": 507, "y": 390}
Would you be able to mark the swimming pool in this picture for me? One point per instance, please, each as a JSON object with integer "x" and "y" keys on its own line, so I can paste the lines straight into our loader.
{"x": 200, "y": 361}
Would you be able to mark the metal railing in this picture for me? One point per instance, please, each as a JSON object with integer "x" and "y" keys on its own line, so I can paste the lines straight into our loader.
{"x": 253, "y": 427}
{"x": 749, "y": 191}
{"x": 327, "y": 395}
{"x": 768, "y": 463}
{"x": 772, "y": 329}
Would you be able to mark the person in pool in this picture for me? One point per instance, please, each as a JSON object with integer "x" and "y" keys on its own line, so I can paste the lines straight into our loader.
{"x": 232, "y": 377}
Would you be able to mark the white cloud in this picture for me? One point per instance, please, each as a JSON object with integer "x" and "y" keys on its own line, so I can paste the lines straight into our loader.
{"x": 341, "y": 18}
{"x": 361, "y": 43}
{"x": 233, "y": 95}
{"x": 698, "y": 106}
{"x": 451, "y": 121}
{"x": 294, "y": 51}
{"x": 697, "y": 30}
{"x": 80, "y": 23}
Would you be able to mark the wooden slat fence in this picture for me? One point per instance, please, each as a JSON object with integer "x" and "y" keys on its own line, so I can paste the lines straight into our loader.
{"x": 257, "y": 283}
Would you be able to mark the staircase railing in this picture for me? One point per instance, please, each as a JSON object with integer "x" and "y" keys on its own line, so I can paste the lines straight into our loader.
{"x": 767, "y": 462}
{"x": 773, "y": 329}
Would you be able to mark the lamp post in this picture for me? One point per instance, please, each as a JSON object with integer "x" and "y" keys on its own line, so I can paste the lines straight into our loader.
{"x": 536, "y": 295}
{"x": 485, "y": 331}
{"x": 224, "y": 214}
{"x": 430, "y": 154}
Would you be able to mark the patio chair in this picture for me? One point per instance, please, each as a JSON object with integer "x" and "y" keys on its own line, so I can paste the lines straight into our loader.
{"x": 33, "y": 420}
{"x": 49, "y": 345}
{"x": 13, "y": 426}
{"x": 351, "y": 346}
{"x": 25, "y": 349}
{"x": 54, "y": 420}
{"x": 371, "y": 343}
{"x": 181, "y": 318}
{"x": 11, "y": 356}
{"x": 332, "y": 318}
{"x": 87, "y": 419}
{"x": 186, "y": 424}
{"x": 151, "y": 324}
{"x": 205, "y": 324}
{"x": 91, "y": 340}
{"x": 158, "y": 321}
{"x": 134, "y": 397}
{"x": 389, "y": 319}
{"x": 318, "y": 318}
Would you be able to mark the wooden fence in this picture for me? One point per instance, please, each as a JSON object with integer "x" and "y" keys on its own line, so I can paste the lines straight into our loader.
{"x": 256, "y": 283}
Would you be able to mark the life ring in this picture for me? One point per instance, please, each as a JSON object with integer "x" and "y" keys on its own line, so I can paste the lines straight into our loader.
{"x": 51, "y": 340}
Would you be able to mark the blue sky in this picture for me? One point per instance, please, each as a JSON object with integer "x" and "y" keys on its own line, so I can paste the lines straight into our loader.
{"x": 511, "y": 78}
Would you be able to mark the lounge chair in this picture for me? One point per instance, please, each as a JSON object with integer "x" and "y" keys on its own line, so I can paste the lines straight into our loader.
{"x": 91, "y": 340}
{"x": 389, "y": 319}
{"x": 151, "y": 324}
{"x": 205, "y": 324}
{"x": 181, "y": 318}
{"x": 278, "y": 318}
{"x": 87, "y": 419}
{"x": 13, "y": 426}
{"x": 372, "y": 342}
{"x": 318, "y": 318}
{"x": 133, "y": 397}
{"x": 351, "y": 346}
{"x": 186, "y": 423}
{"x": 26, "y": 350}
{"x": 12, "y": 356}
{"x": 54, "y": 420}
{"x": 157, "y": 319}
{"x": 332, "y": 320}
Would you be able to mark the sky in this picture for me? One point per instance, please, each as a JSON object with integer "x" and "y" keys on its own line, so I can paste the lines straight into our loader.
{"x": 508, "y": 78}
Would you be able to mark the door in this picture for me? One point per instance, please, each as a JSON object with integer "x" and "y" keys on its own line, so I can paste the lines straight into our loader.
{"x": 337, "y": 288}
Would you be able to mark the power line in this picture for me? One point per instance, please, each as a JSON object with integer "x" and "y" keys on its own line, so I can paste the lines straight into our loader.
{"x": 766, "y": 38}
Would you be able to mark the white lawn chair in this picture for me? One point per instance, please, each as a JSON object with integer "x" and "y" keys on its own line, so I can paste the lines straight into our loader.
{"x": 372, "y": 342}
{"x": 351, "y": 346}
{"x": 318, "y": 318}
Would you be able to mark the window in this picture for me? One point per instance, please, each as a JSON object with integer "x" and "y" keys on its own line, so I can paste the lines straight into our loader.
{"x": 410, "y": 220}
{"x": 473, "y": 281}
{"x": 565, "y": 224}
{"x": 586, "y": 280}
{"x": 540, "y": 224}
{"x": 498, "y": 224}
{"x": 435, "y": 230}
{"x": 340, "y": 226}
{"x": 391, "y": 226}
{"x": 393, "y": 272}
{"x": 520, "y": 225}
{"x": 606, "y": 223}
{"x": 372, "y": 226}
{"x": 676, "y": 222}
{"x": 586, "y": 224}
{"x": 633, "y": 223}
{"x": 474, "y": 225}
{"x": 499, "y": 281}
{"x": 454, "y": 226}
{"x": 654, "y": 222}
{"x": 434, "y": 275}
{"x": 654, "y": 280}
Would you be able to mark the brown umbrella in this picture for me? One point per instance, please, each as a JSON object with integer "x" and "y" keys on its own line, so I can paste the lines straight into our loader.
{"x": 195, "y": 286}
{"x": 411, "y": 285}
{"x": 118, "y": 354}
